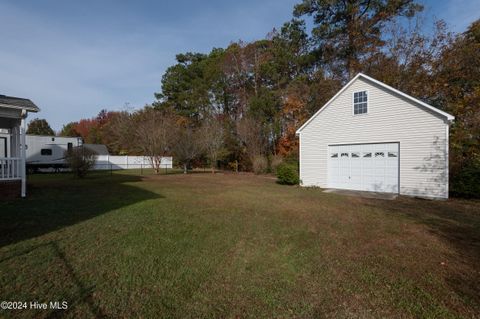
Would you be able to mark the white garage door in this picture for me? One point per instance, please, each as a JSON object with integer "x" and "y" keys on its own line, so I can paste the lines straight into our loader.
{"x": 367, "y": 167}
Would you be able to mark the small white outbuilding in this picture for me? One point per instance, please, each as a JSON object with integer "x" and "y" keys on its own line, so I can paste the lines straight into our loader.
{"x": 372, "y": 137}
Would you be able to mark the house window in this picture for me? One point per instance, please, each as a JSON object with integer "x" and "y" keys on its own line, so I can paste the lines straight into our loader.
{"x": 69, "y": 146}
{"x": 46, "y": 151}
{"x": 360, "y": 103}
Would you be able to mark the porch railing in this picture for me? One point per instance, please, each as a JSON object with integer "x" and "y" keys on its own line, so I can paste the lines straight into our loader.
{"x": 10, "y": 168}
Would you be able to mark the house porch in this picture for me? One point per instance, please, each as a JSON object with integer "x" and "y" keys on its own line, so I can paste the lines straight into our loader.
{"x": 13, "y": 114}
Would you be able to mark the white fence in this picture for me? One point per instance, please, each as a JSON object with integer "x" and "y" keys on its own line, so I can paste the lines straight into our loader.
{"x": 109, "y": 162}
{"x": 10, "y": 168}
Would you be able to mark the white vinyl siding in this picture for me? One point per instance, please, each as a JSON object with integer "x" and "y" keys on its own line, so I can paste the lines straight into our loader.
{"x": 421, "y": 134}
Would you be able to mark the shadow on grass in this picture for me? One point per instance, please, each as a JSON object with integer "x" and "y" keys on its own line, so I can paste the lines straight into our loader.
{"x": 457, "y": 223}
{"x": 58, "y": 201}
{"x": 83, "y": 294}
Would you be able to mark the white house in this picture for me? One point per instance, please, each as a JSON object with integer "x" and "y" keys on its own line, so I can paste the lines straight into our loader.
{"x": 13, "y": 114}
{"x": 372, "y": 137}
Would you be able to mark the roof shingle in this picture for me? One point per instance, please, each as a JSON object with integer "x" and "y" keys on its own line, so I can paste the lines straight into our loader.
{"x": 18, "y": 103}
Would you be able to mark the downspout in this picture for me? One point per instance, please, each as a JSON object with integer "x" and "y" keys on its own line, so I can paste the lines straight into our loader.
{"x": 447, "y": 157}
{"x": 23, "y": 151}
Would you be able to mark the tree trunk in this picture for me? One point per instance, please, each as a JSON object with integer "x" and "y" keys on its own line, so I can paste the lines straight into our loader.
{"x": 185, "y": 168}
{"x": 213, "y": 165}
{"x": 155, "y": 165}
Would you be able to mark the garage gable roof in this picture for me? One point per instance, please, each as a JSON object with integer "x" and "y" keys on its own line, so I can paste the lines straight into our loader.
{"x": 449, "y": 117}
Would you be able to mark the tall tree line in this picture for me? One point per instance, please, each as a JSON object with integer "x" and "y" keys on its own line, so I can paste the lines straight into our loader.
{"x": 258, "y": 93}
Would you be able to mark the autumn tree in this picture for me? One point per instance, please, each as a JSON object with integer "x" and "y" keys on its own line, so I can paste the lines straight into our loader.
{"x": 347, "y": 31}
{"x": 187, "y": 144}
{"x": 39, "y": 127}
{"x": 69, "y": 130}
{"x": 409, "y": 58}
{"x": 152, "y": 134}
{"x": 265, "y": 89}
{"x": 294, "y": 113}
{"x": 213, "y": 134}
{"x": 237, "y": 70}
{"x": 88, "y": 129}
{"x": 91, "y": 130}
{"x": 120, "y": 129}
{"x": 250, "y": 133}
{"x": 457, "y": 74}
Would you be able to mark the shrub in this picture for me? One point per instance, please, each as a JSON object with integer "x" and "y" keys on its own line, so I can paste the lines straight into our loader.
{"x": 288, "y": 174}
{"x": 233, "y": 166}
{"x": 80, "y": 160}
{"x": 467, "y": 182}
{"x": 259, "y": 164}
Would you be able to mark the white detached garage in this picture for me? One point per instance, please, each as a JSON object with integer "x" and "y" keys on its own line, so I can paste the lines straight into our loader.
{"x": 372, "y": 137}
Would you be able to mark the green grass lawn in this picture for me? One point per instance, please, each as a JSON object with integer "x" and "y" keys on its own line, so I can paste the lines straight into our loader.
{"x": 225, "y": 246}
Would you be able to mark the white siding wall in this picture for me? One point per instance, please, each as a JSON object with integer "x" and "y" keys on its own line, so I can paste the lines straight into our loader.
{"x": 391, "y": 118}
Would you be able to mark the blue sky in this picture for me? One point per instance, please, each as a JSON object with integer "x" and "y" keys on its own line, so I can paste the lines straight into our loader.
{"x": 73, "y": 58}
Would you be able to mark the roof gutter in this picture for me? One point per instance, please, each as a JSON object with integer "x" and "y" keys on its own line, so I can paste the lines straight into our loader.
{"x": 30, "y": 109}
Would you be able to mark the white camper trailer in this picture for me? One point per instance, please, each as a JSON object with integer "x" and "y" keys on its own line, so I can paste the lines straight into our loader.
{"x": 48, "y": 151}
